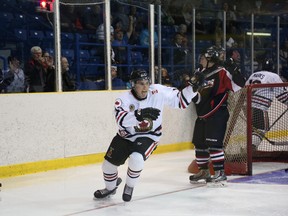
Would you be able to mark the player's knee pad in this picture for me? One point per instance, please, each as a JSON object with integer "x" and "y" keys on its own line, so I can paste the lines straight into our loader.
{"x": 136, "y": 161}
{"x": 108, "y": 167}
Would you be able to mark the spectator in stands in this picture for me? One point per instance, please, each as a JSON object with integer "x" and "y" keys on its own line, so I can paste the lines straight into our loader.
{"x": 5, "y": 80}
{"x": 182, "y": 29}
{"x": 117, "y": 83}
{"x": 175, "y": 10}
{"x": 230, "y": 18}
{"x": 35, "y": 71}
{"x": 100, "y": 33}
{"x": 200, "y": 27}
{"x": 71, "y": 18}
{"x": 181, "y": 54}
{"x": 166, "y": 17}
{"x": 121, "y": 14}
{"x": 165, "y": 78}
{"x": 144, "y": 36}
{"x": 283, "y": 54}
{"x": 187, "y": 13}
{"x": 134, "y": 36}
{"x": 17, "y": 76}
{"x": 67, "y": 83}
{"x": 120, "y": 41}
{"x": 92, "y": 17}
{"x": 89, "y": 84}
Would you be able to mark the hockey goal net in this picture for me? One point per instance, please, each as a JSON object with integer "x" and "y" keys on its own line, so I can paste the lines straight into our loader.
{"x": 239, "y": 154}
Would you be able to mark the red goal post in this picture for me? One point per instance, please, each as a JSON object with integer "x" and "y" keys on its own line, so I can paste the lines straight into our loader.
{"x": 238, "y": 139}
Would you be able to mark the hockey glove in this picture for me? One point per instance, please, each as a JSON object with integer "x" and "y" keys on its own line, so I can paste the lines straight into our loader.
{"x": 197, "y": 80}
{"x": 149, "y": 113}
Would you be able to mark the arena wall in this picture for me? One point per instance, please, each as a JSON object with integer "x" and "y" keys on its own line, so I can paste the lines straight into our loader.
{"x": 44, "y": 131}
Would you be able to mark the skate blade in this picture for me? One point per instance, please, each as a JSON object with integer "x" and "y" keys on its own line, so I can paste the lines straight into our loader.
{"x": 219, "y": 184}
{"x": 119, "y": 181}
{"x": 202, "y": 181}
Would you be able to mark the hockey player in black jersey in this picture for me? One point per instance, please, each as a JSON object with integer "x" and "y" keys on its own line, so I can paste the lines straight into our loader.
{"x": 211, "y": 108}
{"x": 138, "y": 114}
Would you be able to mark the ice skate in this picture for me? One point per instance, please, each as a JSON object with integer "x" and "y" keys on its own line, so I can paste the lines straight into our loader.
{"x": 100, "y": 194}
{"x": 219, "y": 179}
{"x": 201, "y": 177}
{"x": 127, "y": 193}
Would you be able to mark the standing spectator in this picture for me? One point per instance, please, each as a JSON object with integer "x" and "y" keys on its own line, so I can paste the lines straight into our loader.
{"x": 35, "y": 71}
{"x": 138, "y": 114}
{"x": 17, "y": 85}
{"x": 212, "y": 111}
{"x": 120, "y": 42}
{"x": 67, "y": 83}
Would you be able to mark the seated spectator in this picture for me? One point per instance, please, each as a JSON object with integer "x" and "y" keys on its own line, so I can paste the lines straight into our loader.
{"x": 67, "y": 83}
{"x": 5, "y": 80}
{"x": 144, "y": 36}
{"x": 182, "y": 29}
{"x": 117, "y": 83}
{"x": 165, "y": 78}
{"x": 35, "y": 71}
{"x": 182, "y": 55}
{"x": 100, "y": 33}
{"x": 89, "y": 84}
{"x": 17, "y": 76}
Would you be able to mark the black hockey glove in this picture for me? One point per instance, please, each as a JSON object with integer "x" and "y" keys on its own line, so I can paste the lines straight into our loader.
{"x": 149, "y": 113}
{"x": 197, "y": 80}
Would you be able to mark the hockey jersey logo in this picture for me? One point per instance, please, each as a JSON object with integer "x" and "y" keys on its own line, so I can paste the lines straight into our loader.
{"x": 144, "y": 126}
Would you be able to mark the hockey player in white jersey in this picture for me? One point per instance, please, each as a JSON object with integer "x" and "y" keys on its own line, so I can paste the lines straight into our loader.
{"x": 138, "y": 114}
{"x": 262, "y": 98}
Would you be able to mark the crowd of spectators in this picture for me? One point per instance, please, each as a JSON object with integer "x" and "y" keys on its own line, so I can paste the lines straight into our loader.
{"x": 129, "y": 26}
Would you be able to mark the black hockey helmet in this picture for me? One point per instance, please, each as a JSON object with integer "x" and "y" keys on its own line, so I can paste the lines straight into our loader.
{"x": 138, "y": 74}
{"x": 212, "y": 53}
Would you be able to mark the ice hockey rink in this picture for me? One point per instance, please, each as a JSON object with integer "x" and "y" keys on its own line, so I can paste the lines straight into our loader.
{"x": 163, "y": 190}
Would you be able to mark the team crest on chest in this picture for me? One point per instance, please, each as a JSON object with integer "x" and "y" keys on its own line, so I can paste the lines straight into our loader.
{"x": 144, "y": 126}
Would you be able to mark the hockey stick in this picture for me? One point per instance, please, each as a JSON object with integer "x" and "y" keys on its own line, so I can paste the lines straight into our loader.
{"x": 266, "y": 138}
